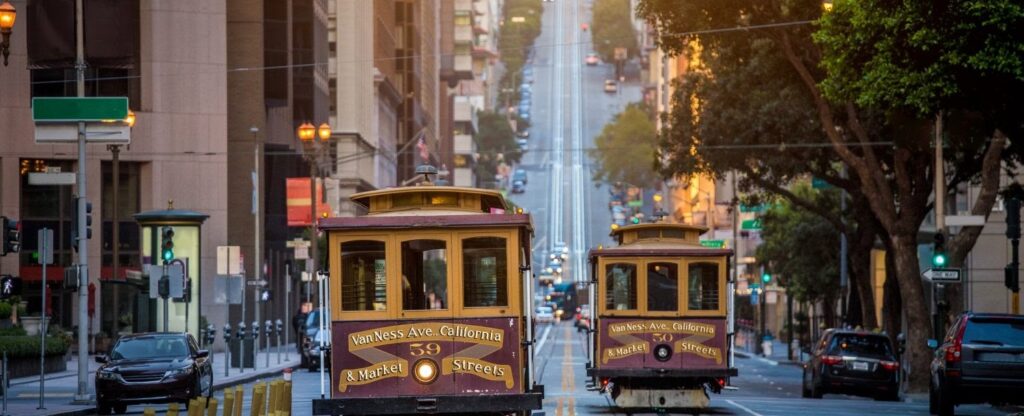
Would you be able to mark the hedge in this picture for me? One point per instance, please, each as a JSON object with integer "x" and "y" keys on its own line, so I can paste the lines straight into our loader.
{"x": 28, "y": 346}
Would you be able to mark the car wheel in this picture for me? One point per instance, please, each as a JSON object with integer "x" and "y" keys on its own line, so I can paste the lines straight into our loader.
{"x": 120, "y": 409}
{"x": 102, "y": 408}
{"x": 944, "y": 403}
{"x": 933, "y": 400}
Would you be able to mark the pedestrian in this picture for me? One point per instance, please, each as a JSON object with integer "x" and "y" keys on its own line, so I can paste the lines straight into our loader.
{"x": 298, "y": 326}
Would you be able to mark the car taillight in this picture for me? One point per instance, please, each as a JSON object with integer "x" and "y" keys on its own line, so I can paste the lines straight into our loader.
{"x": 954, "y": 350}
{"x": 831, "y": 359}
{"x": 890, "y": 365}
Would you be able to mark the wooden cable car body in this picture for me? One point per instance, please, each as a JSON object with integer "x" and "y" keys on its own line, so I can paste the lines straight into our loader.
{"x": 660, "y": 318}
{"x": 429, "y": 292}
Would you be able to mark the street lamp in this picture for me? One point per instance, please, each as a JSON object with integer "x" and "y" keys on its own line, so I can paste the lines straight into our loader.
{"x": 7, "y": 15}
{"x": 311, "y": 137}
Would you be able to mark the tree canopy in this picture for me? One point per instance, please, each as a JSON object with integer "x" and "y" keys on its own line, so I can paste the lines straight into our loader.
{"x": 612, "y": 28}
{"x": 495, "y": 142}
{"x": 625, "y": 150}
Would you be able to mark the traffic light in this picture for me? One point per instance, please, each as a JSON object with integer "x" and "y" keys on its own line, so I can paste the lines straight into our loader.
{"x": 1012, "y": 207}
{"x": 74, "y": 221}
{"x": 11, "y": 236}
{"x": 939, "y": 251}
{"x": 167, "y": 248}
{"x": 1011, "y": 276}
{"x": 766, "y": 277}
{"x": 636, "y": 220}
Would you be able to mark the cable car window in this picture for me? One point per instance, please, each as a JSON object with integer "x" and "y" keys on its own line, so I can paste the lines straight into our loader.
{"x": 424, "y": 274}
{"x": 620, "y": 281}
{"x": 484, "y": 272}
{"x": 673, "y": 233}
{"x": 662, "y": 287}
{"x": 703, "y": 287}
{"x": 363, "y": 276}
{"x": 648, "y": 234}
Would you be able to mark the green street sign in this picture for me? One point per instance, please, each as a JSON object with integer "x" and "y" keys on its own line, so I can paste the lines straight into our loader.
{"x": 753, "y": 208}
{"x": 818, "y": 183}
{"x": 754, "y": 224}
{"x": 635, "y": 203}
{"x": 79, "y": 109}
{"x": 713, "y": 243}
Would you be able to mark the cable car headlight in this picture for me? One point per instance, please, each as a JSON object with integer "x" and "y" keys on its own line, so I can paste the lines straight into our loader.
{"x": 425, "y": 371}
{"x": 662, "y": 352}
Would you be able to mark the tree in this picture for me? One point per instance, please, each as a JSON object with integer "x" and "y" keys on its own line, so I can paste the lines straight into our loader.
{"x": 626, "y": 149}
{"x": 516, "y": 38}
{"x": 887, "y": 148}
{"x": 800, "y": 247}
{"x": 613, "y": 28}
{"x": 495, "y": 142}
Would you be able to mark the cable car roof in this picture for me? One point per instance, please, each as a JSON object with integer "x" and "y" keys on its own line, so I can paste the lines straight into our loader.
{"x": 659, "y": 239}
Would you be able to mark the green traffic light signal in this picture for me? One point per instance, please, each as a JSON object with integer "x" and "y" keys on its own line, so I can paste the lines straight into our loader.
{"x": 636, "y": 220}
{"x": 939, "y": 259}
{"x": 939, "y": 251}
{"x": 168, "y": 244}
{"x": 766, "y": 278}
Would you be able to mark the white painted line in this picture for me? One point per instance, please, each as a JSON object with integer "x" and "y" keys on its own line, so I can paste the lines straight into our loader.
{"x": 543, "y": 338}
{"x": 744, "y": 408}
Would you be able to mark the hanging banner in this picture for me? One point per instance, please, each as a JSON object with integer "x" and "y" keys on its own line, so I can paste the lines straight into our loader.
{"x": 298, "y": 201}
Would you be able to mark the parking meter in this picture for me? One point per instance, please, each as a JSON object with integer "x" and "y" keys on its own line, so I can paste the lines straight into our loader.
{"x": 255, "y": 330}
{"x": 280, "y": 327}
{"x": 227, "y": 350}
{"x": 227, "y": 333}
{"x": 211, "y": 334}
{"x": 241, "y": 330}
{"x": 268, "y": 328}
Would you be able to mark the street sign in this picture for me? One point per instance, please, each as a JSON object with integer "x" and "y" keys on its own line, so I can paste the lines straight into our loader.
{"x": 48, "y": 178}
{"x": 256, "y": 283}
{"x": 228, "y": 260}
{"x": 754, "y": 224}
{"x": 95, "y": 132}
{"x": 636, "y": 203}
{"x": 78, "y": 109}
{"x": 297, "y": 243}
{"x": 712, "y": 243}
{"x": 176, "y": 275}
{"x": 942, "y": 275}
{"x": 301, "y": 253}
{"x": 45, "y": 238}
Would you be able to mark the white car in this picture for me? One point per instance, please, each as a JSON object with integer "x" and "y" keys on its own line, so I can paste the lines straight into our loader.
{"x": 523, "y": 144}
{"x": 544, "y": 315}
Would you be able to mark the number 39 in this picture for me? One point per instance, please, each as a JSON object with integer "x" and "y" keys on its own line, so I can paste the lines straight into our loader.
{"x": 418, "y": 349}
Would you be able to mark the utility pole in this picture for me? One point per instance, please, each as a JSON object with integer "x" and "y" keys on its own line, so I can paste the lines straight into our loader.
{"x": 258, "y": 260}
{"x": 940, "y": 221}
{"x": 115, "y": 152}
{"x": 1012, "y": 206}
{"x": 82, "y": 394}
{"x": 844, "y": 277}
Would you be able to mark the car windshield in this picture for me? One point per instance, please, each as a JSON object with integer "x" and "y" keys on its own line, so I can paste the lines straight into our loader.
{"x": 150, "y": 348}
{"x": 313, "y": 319}
{"x": 868, "y": 346}
{"x": 1001, "y": 331}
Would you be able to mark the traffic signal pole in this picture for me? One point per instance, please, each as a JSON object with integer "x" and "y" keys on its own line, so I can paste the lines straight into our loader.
{"x": 82, "y": 394}
{"x": 940, "y": 225}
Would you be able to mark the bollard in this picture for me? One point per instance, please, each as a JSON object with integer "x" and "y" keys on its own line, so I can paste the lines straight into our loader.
{"x": 172, "y": 409}
{"x": 272, "y": 406}
{"x": 259, "y": 391}
{"x": 239, "y": 400}
{"x": 211, "y": 406}
{"x": 190, "y": 408}
{"x": 288, "y": 397}
{"x": 149, "y": 411}
{"x": 229, "y": 401}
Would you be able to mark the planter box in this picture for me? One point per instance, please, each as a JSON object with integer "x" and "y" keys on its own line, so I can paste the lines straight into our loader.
{"x": 26, "y": 367}
{"x": 32, "y": 324}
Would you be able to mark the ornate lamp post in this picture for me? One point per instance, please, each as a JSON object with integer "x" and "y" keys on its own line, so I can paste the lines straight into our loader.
{"x": 313, "y": 139}
{"x": 7, "y": 15}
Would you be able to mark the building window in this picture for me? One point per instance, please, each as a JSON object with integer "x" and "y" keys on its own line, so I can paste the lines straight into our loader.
{"x": 363, "y": 276}
{"x": 620, "y": 279}
{"x": 424, "y": 275}
{"x": 128, "y": 201}
{"x": 703, "y": 287}
{"x": 45, "y": 207}
{"x": 484, "y": 272}
{"x": 662, "y": 287}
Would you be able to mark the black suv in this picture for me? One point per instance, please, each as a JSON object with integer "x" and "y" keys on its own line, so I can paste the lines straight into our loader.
{"x": 981, "y": 360}
{"x": 852, "y": 362}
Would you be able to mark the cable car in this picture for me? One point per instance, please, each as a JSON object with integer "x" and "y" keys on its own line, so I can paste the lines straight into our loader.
{"x": 662, "y": 318}
{"x": 429, "y": 302}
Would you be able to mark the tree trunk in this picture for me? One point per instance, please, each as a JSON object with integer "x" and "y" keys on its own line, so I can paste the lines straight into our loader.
{"x": 892, "y": 304}
{"x": 860, "y": 275}
{"x": 907, "y": 268}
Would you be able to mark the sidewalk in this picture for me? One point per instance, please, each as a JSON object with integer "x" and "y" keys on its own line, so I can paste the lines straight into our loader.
{"x": 60, "y": 388}
{"x": 777, "y": 354}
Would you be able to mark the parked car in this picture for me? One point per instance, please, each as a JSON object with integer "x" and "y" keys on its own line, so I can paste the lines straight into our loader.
{"x": 528, "y": 75}
{"x": 311, "y": 354}
{"x": 852, "y": 362}
{"x": 519, "y": 175}
{"x": 592, "y": 59}
{"x": 523, "y": 143}
{"x": 610, "y": 85}
{"x": 153, "y": 367}
{"x": 523, "y": 133}
{"x": 544, "y": 315}
{"x": 518, "y": 187}
{"x": 980, "y": 360}
{"x": 525, "y": 115}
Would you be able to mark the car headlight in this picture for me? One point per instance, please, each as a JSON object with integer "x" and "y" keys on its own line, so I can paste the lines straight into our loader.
{"x": 179, "y": 371}
{"x": 107, "y": 375}
{"x": 425, "y": 371}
